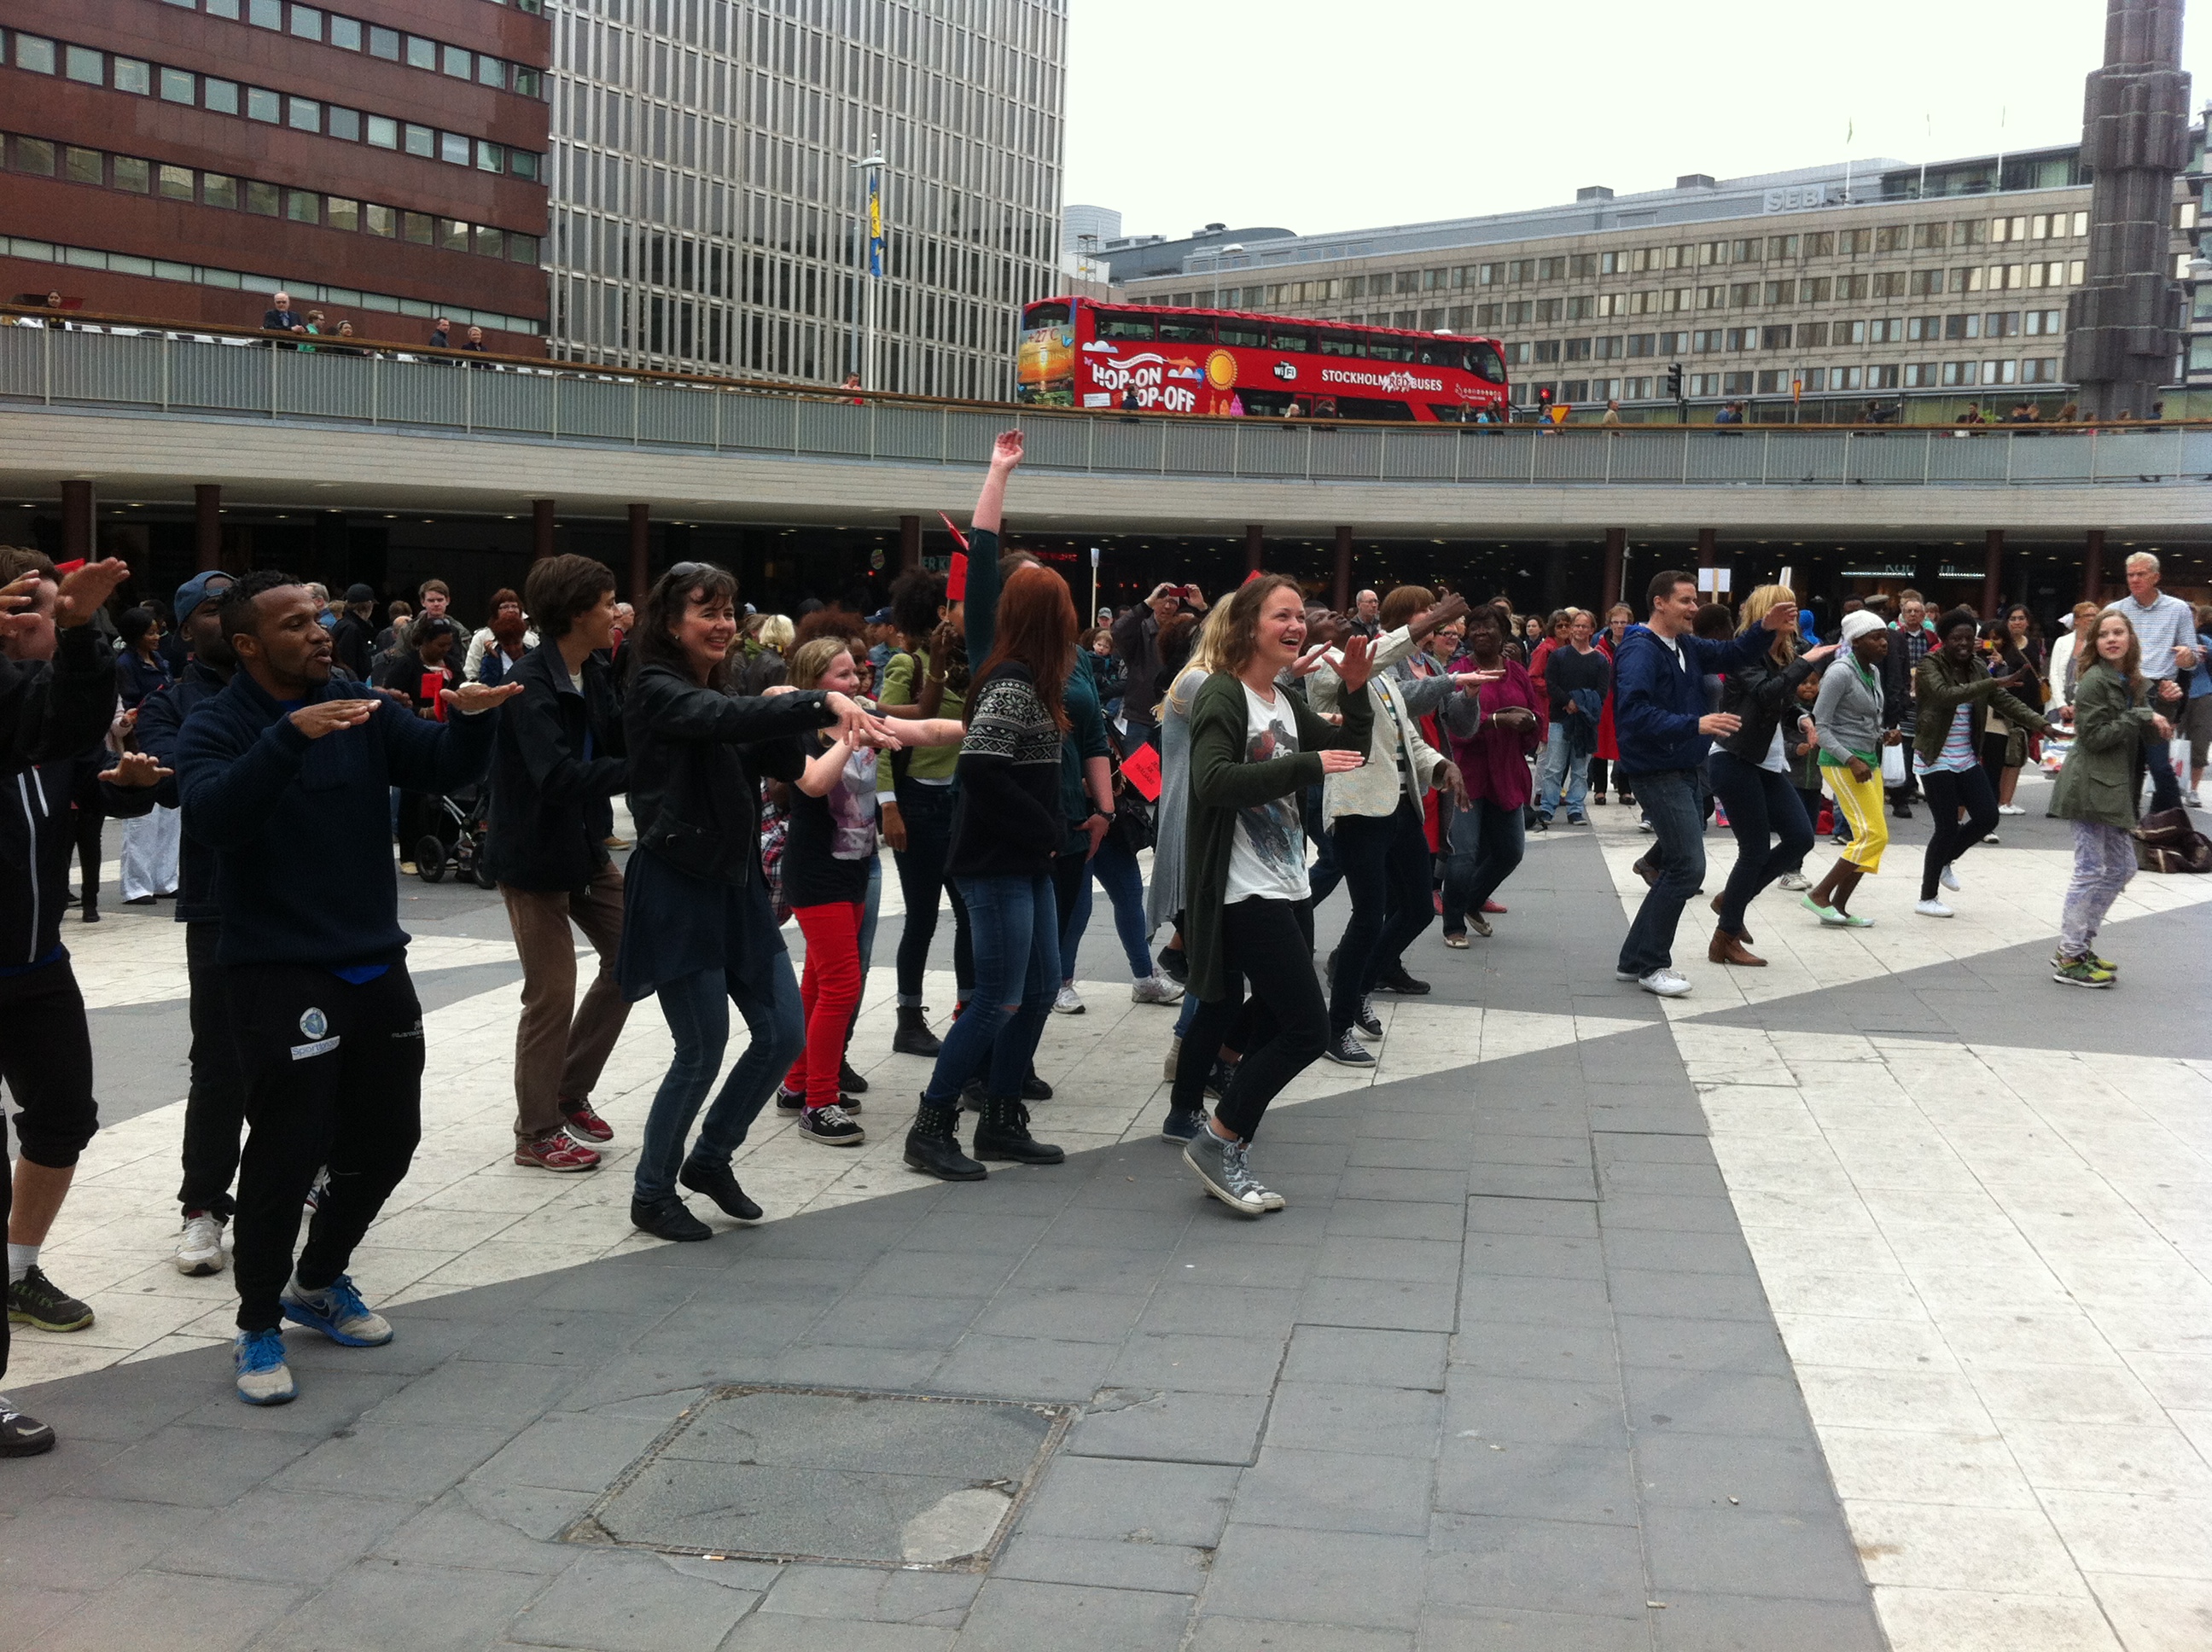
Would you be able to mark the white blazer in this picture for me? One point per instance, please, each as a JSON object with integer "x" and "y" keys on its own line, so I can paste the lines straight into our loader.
{"x": 1376, "y": 787}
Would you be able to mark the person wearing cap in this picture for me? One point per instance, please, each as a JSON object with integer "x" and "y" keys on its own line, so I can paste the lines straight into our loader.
{"x": 353, "y": 638}
{"x": 880, "y": 634}
{"x": 215, "y": 1100}
{"x": 1849, "y": 726}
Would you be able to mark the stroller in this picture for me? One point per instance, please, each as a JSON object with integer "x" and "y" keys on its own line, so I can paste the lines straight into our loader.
{"x": 459, "y": 825}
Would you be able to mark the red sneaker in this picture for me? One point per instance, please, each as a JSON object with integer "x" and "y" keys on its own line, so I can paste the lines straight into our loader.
{"x": 583, "y": 1122}
{"x": 1493, "y": 906}
{"x": 555, "y": 1152}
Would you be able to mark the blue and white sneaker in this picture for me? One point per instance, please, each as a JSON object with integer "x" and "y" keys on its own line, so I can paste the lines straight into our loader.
{"x": 1183, "y": 1127}
{"x": 337, "y": 1312}
{"x": 264, "y": 1378}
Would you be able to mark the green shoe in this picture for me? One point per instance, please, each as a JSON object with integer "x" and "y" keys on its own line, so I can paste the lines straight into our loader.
{"x": 2104, "y": 964}
{"x": 2080, "y": 972}
{"x": 1827, "y": 915}
{"x": 36, "y": 1300}
{"x": 1852, "y": 920}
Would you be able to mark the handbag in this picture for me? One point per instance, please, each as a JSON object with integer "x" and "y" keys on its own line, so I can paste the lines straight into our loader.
{"x": 2165, "y": 842}
{"x": 1892, "y": 766}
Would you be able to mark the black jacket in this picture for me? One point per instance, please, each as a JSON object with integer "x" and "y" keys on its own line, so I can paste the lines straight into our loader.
{"x": 50, "y": 716}
{"x": 350, "y": 640}
{"x": 1764, "y": 695}
{"x": 696, "y": 759}
{"x": 545, "y": 831}
{"x": 160, "y": 717}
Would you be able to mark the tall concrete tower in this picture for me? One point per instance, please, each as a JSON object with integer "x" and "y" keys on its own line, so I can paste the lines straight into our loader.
{"x": 2124, "y": 326}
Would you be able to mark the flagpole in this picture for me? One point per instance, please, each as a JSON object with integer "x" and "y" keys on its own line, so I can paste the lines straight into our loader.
{"x": 870, "y": 168}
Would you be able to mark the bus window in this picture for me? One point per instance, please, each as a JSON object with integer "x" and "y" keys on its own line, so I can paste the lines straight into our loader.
{"x": 1383, "y": 347}
{"x": 1372, "y": 407}
{"x": 1482, "y": 361}
{"x": 1300, "y": 342}
{"x": 1241, "y": 334}
{"x": 1438, "y": 354}
{"x": 1179, "y": 330}
{"x": 1052, "y": 314}
{"x": 1339, "y": 343}
{"x": 1121, "y": 324}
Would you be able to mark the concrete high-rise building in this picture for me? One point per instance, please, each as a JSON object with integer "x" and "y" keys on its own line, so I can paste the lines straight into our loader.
{"x": 708, "y": 212}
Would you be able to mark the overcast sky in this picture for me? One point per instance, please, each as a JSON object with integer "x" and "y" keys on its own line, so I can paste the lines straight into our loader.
{"x": 1321, "y": 115}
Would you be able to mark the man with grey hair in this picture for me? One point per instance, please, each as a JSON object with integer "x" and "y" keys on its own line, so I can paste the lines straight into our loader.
{"x": 1367, "y": 615}
{"x": 280, "y": 316}
{"x": 2167, "y": 628}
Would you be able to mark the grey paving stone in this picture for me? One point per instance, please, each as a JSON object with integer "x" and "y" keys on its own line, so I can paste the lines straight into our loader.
{"x": 34, "y": 1479}
{"x": 1220, "y": 1310}
{"x": 1365, "y": 1579}
{"x": 1335, "y": 1491}
{"x": 285, "y": 1537}
{"x": 1315, "y": 1158}
{"x": 1723, "y": 1623}
{"x": 1398, "y": 1359}
{"x": 616, "y": 1601}
{"x": 955, "y": 1229}
{"x": 1442, "y": 1150}
{"x": 1381, "y": 1304}
{"x": 1531, "y": 1181}
{"x": 1568, "y": 1120}
{"x": 937, "y": 1273}
{"x": 435, "y": 1610}
{"x": 1068, "y": 1316}
{"x": 1011, "y": 1615}
{"x": 1753, "y": 1552}
{"x": 1355, "y": 1418}
{"x": 1376, "y": 1219}
{"x": 454, "y": 1532}
{"x": 403, "y": 1460}
{"x": 188, "y": 1614}
{"x": 1548, "y": 1482}
{"x": 1107, "y": 1270}
{"x": 1092, "y": 1228}
{"x": 1784, "y": 1475}
{"x": 127, "y": 1403}
{"x": 203, "y": 1468}
{"x": 871, "y": 1595}
{"x": 774, "y": 1632}
{"x": 1396, "y": 1123}
{"x": 1023, "y": 1368}
{"x": 1215, "y": 1634}
{"x": 24, "y": 1612}
{"x": 476, "y": 1391}
{"x": 828, "y": 1364}
{"x": 1507, "y": 1628}
{"x": 897, "y": 1322}
{"x": 1676, "y": 1401}
{"x": 1617, "y": 1147}
{"x": 494, "y": 1304}
{"x": 1676, "y": 1251}
{"x": 1574, "y": 1353}
{"x": 634, "y": 1289}
{"x": 1667, "y": 1210}
{"x": 1680, "y": 1117}
{"x": 1404, "y": 1186}
{"x": 1701, "y": 1344}
{"x": 1558, "y": 1152}
{"x": 1535, "y": 1300}
{"x": 570, "y": 1451}
{"x": 330, "y": 1400}
{"x": 1488, "y": 1560}
{"x": 1213, "y": 1256}
{"x": 1675, "y": 1180}
{"x": 1203, "y": 1364}
{"x": 82, "y": 1542}
{"x": 1565, "y": 1218}
{"x": 1185, "y": 1503}
{"x": 538, "y": 1511}
{"x": 1693, "y": 1295}
{"x": 1168, "y": 1426}
{"x": 1543, "y": 1254}
{"x": 1104, "y": 1563}
{"x": 763, "y": 1331}
{"x": 1419, "y": 1261}
{"x": 1534, "y": 1412}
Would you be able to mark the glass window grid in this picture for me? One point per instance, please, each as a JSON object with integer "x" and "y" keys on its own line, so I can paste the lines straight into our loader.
{"x": 350, "y": 35}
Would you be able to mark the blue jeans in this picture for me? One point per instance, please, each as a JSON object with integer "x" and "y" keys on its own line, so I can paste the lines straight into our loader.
{"x": 1115, "y": 868}
{"x": 1772, "y": 833}
{"x": 697, "y": 1008}
{"x": 1016, "y": 930}
{"x": 1487, "y": 843}
{"x": 1674, "y": 803}
{"x": 869, "y": 913}
{"x": 1560, "y": 769}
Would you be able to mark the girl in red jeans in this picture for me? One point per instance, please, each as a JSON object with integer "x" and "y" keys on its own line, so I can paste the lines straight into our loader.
{"x": 826, "y": 861}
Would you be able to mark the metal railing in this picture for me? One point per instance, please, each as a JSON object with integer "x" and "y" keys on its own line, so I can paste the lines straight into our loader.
{"x": 231, "y": 375}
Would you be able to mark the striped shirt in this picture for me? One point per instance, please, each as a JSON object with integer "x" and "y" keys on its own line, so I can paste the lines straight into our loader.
{"x": 1958, "y": 754}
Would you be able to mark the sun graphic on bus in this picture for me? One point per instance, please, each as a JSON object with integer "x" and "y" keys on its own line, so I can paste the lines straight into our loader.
{"x": 1221, "y": 369}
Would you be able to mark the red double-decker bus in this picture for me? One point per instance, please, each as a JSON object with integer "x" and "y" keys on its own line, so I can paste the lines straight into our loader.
{"x": 1081, "y": 352}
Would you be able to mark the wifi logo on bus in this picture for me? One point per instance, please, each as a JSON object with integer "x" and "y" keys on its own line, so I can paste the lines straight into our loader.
{"x": 1221, "y": 370}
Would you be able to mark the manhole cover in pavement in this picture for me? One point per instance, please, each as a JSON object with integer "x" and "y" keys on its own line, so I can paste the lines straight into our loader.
{"x": 887, "y": 1480}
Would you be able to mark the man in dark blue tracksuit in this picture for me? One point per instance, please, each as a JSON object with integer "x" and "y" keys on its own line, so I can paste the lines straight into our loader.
{"x": 1665, "y": 732}
{"x": 214, "y": 1104}
{"x": 284, "y": 775}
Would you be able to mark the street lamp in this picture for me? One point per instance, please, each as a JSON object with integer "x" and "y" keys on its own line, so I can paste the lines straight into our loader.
{"x": 870, "y": 168}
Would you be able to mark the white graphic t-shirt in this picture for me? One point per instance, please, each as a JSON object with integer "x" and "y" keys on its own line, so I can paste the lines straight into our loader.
{"x": 1267, "y": 851}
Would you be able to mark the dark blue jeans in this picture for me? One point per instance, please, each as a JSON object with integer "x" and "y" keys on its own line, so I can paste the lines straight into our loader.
{"x": 1385, "y": 859}
{"x": 697, "y": 1008}
{"x": 1016, "y": 929}
{"x": 1116, "y": 870}
{"x": 1673, "y": 802}
{"x": 927, "y": 812}
{"x": 1487, "y": 843}
{"x": 1772, "y": 833}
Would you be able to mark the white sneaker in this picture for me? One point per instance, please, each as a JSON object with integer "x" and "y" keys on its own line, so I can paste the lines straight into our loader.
{"x": 1067, "y": 1003}
{"x": 1951, "y": 879}
{"x": 1666, "y": 983}
{"x": 2010, "y": 809}
{"x": 1933, "y": 910}
{"x": 2189, "y": 799}
{"x": 1154, "y": 989}
{"x": 199, "y": 1246}
{"x": 1796, "y": 882}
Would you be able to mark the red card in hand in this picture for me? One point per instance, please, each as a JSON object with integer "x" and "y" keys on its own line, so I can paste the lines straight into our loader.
{"x": 956, "y": 578}
{"x": 432, "y": 681}
{"x": 1141, "y": 768}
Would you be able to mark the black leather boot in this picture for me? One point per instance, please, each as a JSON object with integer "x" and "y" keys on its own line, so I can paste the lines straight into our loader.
{"x": 716, "y": 1182}
{"x": 1002, "y": 1133}
{"x": 933, "y": 1148}
{"x": 913, "y": 1037}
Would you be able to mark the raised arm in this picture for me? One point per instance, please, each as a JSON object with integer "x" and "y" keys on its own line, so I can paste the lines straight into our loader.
{"x": 990, "y": 503}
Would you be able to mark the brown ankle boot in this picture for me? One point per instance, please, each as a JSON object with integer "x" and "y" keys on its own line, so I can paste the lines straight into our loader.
{"x": 1743, "y": 935}
{"x": 1730, "y": 949}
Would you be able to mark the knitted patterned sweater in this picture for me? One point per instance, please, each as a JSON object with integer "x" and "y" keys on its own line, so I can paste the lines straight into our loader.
{"x": 1008, "y": 820}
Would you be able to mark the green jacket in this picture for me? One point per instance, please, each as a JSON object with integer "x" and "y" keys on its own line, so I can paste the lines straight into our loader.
{"x": 1221, "y": 782}
{"x": 1939, "y": 691}
{"x": 2098, "y": 783}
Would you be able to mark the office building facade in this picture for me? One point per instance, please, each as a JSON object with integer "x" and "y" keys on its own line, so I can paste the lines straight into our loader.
{"x": 382, "y": 161}
{"x": 1827, "y": 287}
{"x": 707, "y": 214}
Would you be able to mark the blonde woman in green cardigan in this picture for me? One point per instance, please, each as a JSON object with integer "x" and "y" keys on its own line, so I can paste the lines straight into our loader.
{"x": 1254, "y": 747}
{"x": 2112, "y": 719}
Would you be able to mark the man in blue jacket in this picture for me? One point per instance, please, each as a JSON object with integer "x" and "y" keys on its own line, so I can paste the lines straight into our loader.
{"x": 1659, "y": 716}
{"x": 215, "y": 1102}
{"x": 285, "y": 774}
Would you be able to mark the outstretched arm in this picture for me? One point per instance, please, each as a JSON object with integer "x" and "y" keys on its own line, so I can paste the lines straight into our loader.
{"x": 990, "y": 504}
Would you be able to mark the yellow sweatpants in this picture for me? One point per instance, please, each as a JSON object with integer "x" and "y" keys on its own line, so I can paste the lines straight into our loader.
{"x": 1859, "y": 802}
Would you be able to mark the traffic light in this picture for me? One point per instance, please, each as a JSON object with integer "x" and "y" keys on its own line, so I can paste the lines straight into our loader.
{"x": 1675, "y": 382}
{"x": 1543, "y": 395}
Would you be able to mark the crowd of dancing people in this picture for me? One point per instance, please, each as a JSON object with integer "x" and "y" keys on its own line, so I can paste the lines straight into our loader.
{"x": 1218, "y": 768}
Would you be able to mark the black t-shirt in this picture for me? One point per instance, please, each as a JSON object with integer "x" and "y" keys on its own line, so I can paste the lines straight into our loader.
{"x": 812, "y": 875}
